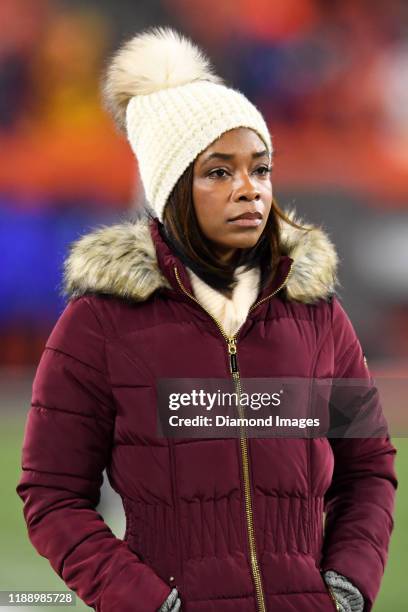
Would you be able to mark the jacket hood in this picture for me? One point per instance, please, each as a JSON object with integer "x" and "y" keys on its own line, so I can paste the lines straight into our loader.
{"x": 121, "y": 260}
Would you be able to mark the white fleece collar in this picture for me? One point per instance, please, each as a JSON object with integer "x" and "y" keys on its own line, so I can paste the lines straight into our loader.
{"x": 230, "y": 312}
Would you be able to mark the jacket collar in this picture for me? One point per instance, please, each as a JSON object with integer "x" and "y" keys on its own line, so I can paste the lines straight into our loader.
{"x": 168, "y": 262}
{"x": 131, "y": 260}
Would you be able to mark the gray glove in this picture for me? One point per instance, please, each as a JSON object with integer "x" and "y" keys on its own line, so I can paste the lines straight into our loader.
{"x": 347, "y": 595}
{"x": 172, "y": 603}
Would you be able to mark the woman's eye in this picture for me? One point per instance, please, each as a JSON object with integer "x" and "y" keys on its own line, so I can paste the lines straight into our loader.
{"x": 218, "y": 173}
{"x": 222, "y": 173}
{"x": 263, "y": 170}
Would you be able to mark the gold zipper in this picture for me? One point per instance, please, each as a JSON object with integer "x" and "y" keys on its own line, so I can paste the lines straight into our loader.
{"x": 233, "y": 361}
{"x": 330, "y": 592}
{"x": 333, "y": 597}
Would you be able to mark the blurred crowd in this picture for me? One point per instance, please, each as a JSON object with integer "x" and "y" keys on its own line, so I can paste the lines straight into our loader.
{"x": 331, "y": 76}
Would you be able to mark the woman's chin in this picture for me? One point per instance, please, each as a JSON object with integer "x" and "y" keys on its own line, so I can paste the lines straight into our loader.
{"x": 242, "y": 241}
{"x": 246, "y": 241}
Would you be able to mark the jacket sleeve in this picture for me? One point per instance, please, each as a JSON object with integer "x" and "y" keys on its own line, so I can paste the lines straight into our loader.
{"x": 359, "y": 503}
{"x": 67, "y": 444}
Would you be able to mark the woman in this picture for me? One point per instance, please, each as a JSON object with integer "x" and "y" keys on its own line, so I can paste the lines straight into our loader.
{"x": 217, "y": 284}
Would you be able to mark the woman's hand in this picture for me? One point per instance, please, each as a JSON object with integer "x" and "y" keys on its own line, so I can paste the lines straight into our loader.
{"x": 172, "y": 603}
{"x": 347, "y": 595}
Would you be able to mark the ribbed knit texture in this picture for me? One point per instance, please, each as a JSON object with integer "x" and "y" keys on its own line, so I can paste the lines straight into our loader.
{"x": 172, "y": 602}
{"x": 230, "y": 312}
{"x": 347, "y": 595}
{"x": 167, "y": 129}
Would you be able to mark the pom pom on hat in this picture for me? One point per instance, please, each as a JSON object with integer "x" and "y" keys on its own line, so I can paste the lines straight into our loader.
{"x": 156, "y": 59}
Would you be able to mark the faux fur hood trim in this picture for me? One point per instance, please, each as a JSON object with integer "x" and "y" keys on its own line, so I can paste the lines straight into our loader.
{"x": 121, "y": 260}
{"x": 315, "y": 261}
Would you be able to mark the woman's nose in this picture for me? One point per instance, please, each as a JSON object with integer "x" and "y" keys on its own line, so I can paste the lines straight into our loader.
{"x": 247, "y": 190}
{"x": 249, "y": 195}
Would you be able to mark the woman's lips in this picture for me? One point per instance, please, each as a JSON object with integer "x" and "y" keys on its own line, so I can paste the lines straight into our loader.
{"x": 247, "y": 219}
{"x": 242, "y": 222}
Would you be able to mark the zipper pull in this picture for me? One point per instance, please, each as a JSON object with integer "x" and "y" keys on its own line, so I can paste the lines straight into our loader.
{"x": 232, "y": 350}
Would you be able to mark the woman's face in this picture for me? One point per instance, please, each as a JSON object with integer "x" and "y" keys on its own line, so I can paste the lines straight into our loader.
{"x": 232, "y": 191}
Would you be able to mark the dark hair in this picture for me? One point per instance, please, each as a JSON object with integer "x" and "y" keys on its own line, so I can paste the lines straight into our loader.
{"x": 182, "y": 233}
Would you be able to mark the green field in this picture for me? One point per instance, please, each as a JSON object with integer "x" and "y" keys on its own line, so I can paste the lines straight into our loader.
{"x": 23, "y": 569}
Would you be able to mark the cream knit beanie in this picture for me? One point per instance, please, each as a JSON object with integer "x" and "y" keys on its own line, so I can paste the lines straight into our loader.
{"x": 162, "y": 90}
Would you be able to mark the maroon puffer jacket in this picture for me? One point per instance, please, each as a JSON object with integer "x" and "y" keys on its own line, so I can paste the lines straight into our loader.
{"x": 236, "y": 526}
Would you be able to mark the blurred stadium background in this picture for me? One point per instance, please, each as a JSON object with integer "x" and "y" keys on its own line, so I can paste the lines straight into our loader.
{"x": 331, "y": 76}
